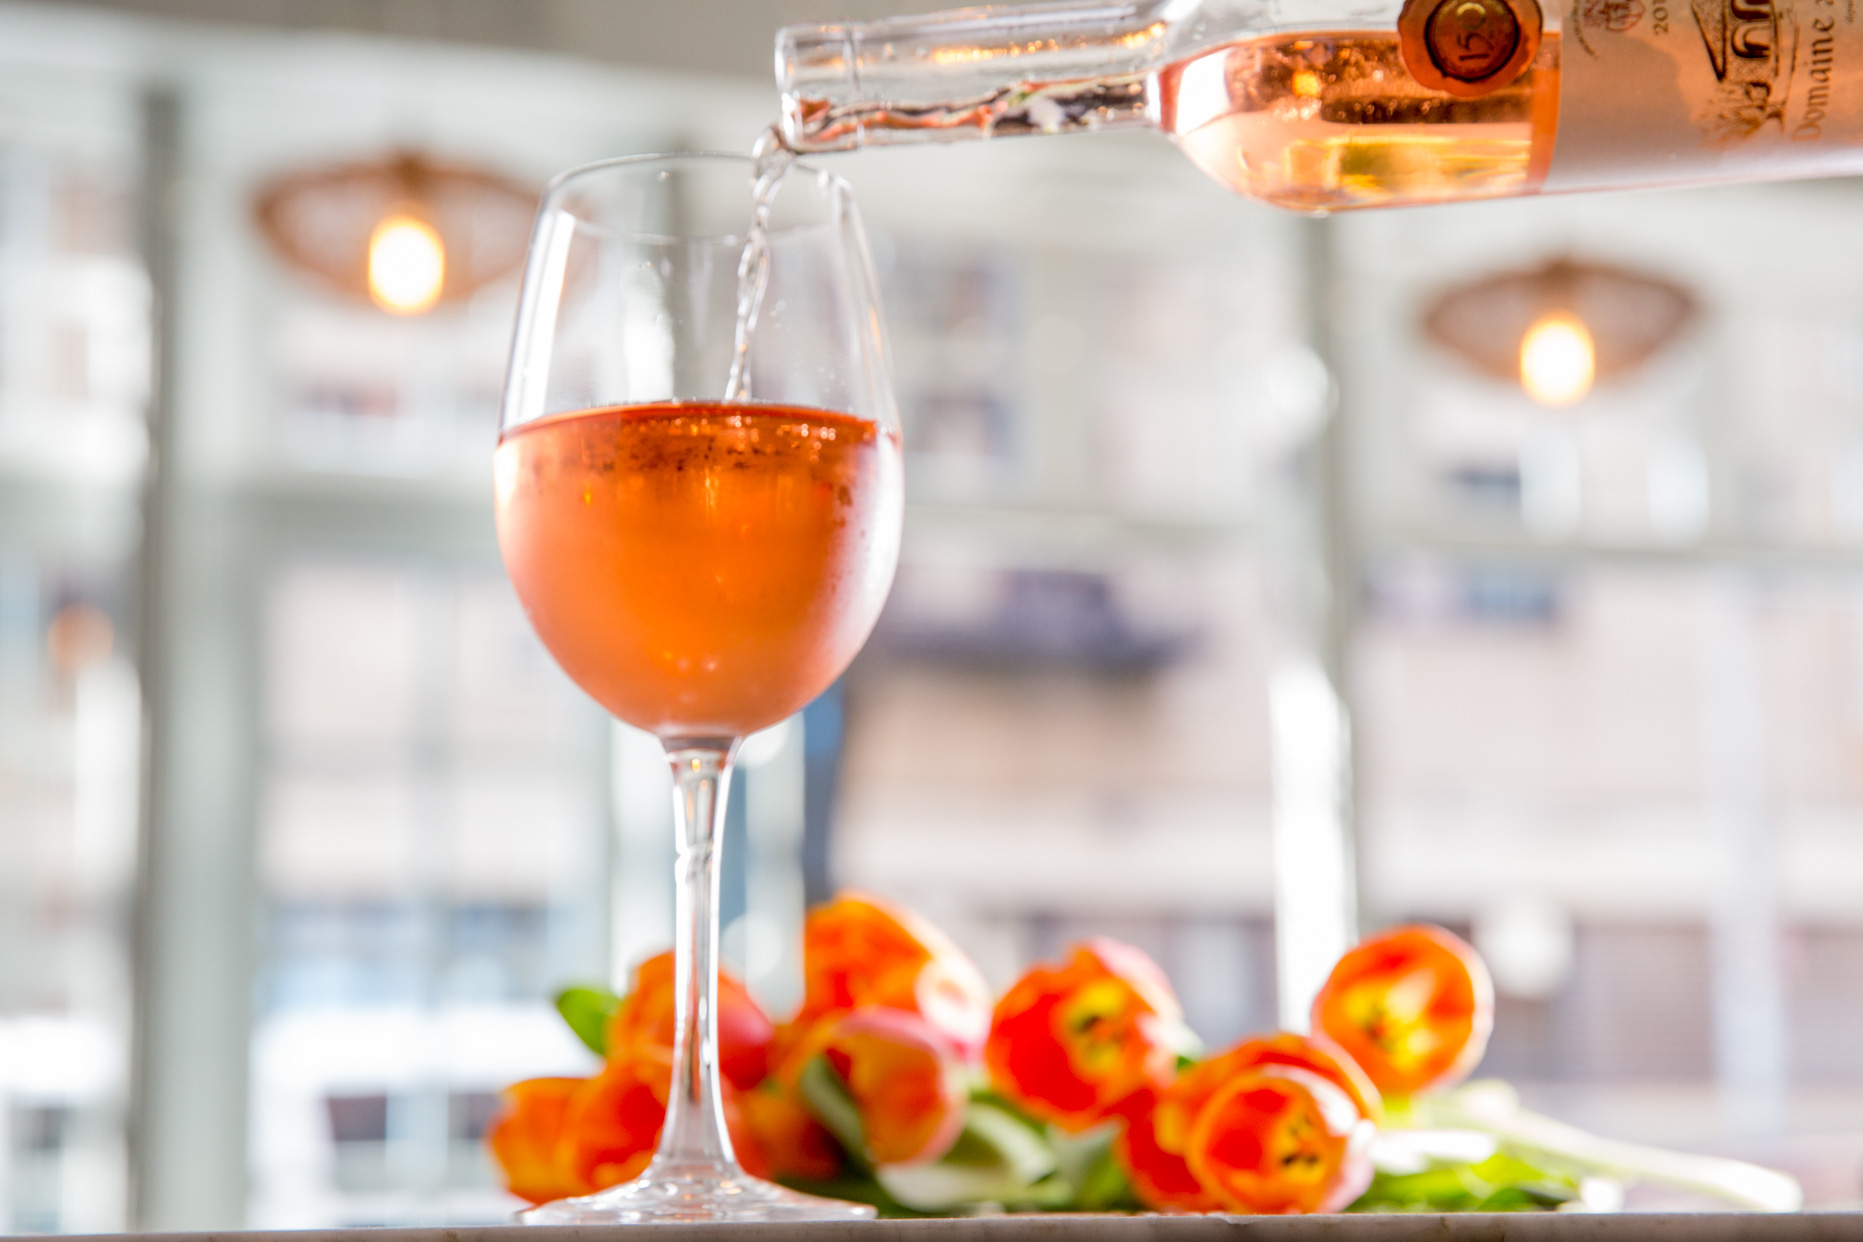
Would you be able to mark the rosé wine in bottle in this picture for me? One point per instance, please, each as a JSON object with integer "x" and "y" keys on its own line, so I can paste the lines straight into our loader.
{"x": 1328, "y": 121}
{"x": 700, "y": 568}
{"x": 1331, "y": 104}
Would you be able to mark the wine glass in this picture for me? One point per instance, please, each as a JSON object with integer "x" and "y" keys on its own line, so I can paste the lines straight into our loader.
{"x": 702, "y": 568}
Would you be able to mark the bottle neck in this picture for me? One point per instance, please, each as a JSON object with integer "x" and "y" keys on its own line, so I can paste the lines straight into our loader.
{"x": 971, "y": 73}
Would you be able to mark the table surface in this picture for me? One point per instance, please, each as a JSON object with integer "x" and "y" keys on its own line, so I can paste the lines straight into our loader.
{"x": 1459, "y": 1227}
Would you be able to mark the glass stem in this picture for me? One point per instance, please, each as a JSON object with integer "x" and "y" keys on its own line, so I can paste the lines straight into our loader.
{"x": 694, "y": 1134}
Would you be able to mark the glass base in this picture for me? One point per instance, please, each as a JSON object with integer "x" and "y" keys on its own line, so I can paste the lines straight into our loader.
{"x": 672, "y": 1194}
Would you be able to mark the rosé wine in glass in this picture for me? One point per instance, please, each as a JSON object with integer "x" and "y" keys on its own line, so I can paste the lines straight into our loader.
{"x": 700, "y": 568}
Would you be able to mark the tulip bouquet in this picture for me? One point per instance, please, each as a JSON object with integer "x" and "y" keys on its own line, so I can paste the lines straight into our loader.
{"x": 899, "y": 1084}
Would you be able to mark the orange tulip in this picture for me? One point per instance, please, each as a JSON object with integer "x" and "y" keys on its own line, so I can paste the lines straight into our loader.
{"x": 1413, "y": 1006}
{"x": 1180, "y": 1103}
{"x": 526, "y": 1137}
{"x": 1158, "y": 1124}
{"x": 1161, "y": 1179}
{"x": 1279, "y": 1140}
{"x": 906, "y": 1080}
{"x": 574, "y": 1136}
{"x": 1069, "y": 1043}
{"x": 860, "y": 951}
{"x": 647, "y": 1017}
{"x": 1321, "y": 1056}
{"x": 793, "y": 1142}
{"x": 614, "y": 1120}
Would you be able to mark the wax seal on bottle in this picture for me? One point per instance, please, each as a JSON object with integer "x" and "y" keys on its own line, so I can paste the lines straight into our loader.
{"x": 1468, "y": 48}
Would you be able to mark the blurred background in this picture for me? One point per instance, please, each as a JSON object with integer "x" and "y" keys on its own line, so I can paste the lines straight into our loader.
{"x": 1231, "y": 580}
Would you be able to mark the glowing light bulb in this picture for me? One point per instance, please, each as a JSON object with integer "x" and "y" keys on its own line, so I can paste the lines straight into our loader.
{"x": 1557, "y": 359}
{"x": 407, "y": 265}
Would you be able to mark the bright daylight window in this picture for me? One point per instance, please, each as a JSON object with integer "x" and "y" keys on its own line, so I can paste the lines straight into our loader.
{"x": 74, "y": 373}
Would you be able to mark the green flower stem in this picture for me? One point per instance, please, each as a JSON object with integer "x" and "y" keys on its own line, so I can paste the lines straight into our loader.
{"x": 1493, "y": 1107}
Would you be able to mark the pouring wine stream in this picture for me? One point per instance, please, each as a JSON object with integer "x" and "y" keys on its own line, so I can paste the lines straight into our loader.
{"x": 771, "y": 160}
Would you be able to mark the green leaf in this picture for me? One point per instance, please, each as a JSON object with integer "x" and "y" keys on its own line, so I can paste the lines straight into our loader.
{"x": 856, "y": 1188}
{"x": 1527, "y": 1197}
{"x": 833, "y": 1105}
{"x": 986, "y": 1094}
{"x": 1502, "y": 1183}
{"x": 587, "y": 1011}
{"x": 1000, "y": 1139}
{"x": 1051, "y": 1194}
{"x": 1076, "y": 1155}
{"x": 1106, "y": 1188}
{"x": 997, "y": 1158}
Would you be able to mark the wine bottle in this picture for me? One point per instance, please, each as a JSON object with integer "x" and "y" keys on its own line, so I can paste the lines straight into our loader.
{"x": 1322, "y": 105}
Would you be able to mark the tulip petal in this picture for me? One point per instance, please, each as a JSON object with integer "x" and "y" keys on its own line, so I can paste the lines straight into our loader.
{"x": 526, "y": 1137}
{"x": 646, "y": 1015}
{"x": 794, "y": 1142}
{"x": 1069, "y": 1043}
{"x": 1280, "y": 1140}
{"x": 1161, "y": 1178}
{"x": 1413, "y": 1006}
{"x": 904, "y": 1078}
{"x": 859, "y": 952}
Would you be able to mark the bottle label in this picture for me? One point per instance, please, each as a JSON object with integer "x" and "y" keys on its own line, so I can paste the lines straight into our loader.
{"x": 1658, "y": 92}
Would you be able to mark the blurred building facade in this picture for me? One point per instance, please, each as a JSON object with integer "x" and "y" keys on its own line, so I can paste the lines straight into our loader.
{"x": 74, "y": 379}
{"x": 1604, "y": 667}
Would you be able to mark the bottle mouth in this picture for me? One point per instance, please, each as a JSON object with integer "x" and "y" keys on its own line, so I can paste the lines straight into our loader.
{"x": 810, "y": 55}
{"x": 815, "y": 65}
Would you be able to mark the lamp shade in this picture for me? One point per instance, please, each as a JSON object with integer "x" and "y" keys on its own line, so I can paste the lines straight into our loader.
{"x": 1629, "y": 316}
{"x": 404, "y": 232}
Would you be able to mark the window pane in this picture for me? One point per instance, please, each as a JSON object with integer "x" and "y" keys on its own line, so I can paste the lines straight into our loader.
{"x": 433, "y": 867}
{"x": 74, "y": 374}
{"x": 1639, "y": 795}
{"x": 1060, "y": 727}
